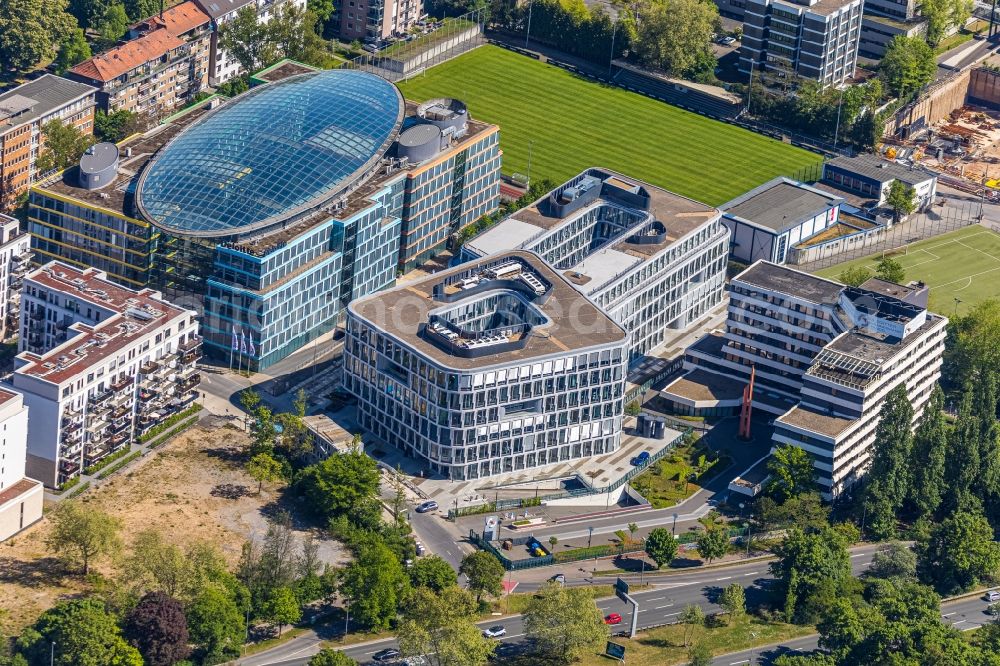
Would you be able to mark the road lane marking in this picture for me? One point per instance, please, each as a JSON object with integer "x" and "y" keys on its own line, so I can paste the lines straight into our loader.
{"x": 724, "y": 578}
{"x": 659, "y": 607}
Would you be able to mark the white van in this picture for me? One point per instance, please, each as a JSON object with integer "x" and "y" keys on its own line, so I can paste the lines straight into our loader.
{"x": 992, "y": 595}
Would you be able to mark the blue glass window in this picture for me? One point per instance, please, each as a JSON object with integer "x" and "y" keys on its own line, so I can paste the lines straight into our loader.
{"x": 271, "y": 153}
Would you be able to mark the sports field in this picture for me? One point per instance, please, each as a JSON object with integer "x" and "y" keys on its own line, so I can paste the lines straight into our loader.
{"x": 963, "y": 264}
{"x": 571, "y": 123}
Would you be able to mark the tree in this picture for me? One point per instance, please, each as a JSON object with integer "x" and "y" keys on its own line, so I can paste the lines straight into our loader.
{"x": 958, "y": 553}
{"x": 328, "y": 657}
{"x": 712, "y": 544}
{"x": 262, "y": 467}
{"x": 81, "y": 535}
{"x": 633, "y": 408}
{"x": 907, "y": 66}
{"x": 894, "y": 560}
{"x": 375, "y": 583}
{"x": 890, "y": 270}
{"x": 700, "y": 654}
{"x": 29, "y": 29}
{"x": 805, "y": 511}
{"x": 661, "y": 546}
{"x": 564, "y": 622}
{"x": 973, "y": 345}
{"x": 855, "y": 276}
{"x": 888, "y": 477}
{"x": 64, "y": 145}
{"x": 792, "y": 472}
{"x": 73, "y": 49}
{"x": 281, "y": 607}
{"x": 485, "y": 574}
{"x": 674, "y": 35}
{"x": 216, "y": 624}
{"x": 138, "y": 10}
{"x": 691, "y": 617}
{"x": 158, "y": 629}
{"x": 248, "y": 41}
{"x": 734, "y": 600}
{"x": 902, "y": 199}
{"x": 441, "y": 627}
{"x": 113, "y": 23}
{"x": 963, "y": 465}
{"x": 942, "y": 15}
{"x": 810, "y": 570}
{"x": 157, "y": 565}
{"x": 116, "y": 125}
{"x": 338, "y": 484}
{"x": 433, "y": 572}
{"x": 84, "y": 634}
{"x": 927, "y": 463}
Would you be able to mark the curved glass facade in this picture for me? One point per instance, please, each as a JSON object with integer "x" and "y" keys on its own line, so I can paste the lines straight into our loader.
{"x": 272, "y": 153}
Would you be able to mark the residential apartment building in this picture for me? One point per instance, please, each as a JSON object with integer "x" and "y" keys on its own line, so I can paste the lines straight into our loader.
{"x": 20, "y": 497}
{"x": 15, "y": 258}
{"x": 812, "y": 39}
{"x": 491, "y": 367}
{"x": 101, "y": 365}
{"x": 651, "y": 259}
{"x": 823, "y": 355}
{"x": 376, "y": 20}
{"x": 335, "y": 184}
{"x": 164, "y": 65}
{"x": 221, "y": 66}
{"x": 24, "y": 110}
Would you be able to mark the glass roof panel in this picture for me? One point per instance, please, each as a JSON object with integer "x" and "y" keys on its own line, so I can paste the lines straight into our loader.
{"x": 271, "y": 153}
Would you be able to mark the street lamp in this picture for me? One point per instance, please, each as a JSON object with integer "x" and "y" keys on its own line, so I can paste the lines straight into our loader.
{"x": 590, "y": 536}
{"x": 747, "y": 525}
{"x": 347, "y": 618}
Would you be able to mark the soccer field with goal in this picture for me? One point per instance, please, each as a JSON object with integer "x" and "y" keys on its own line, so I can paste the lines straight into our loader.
{"x": 566, "y": 123}
{"x": 962, "y": 267}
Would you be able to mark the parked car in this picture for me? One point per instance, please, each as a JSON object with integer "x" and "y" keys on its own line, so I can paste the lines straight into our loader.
{"x": 420, "y": 548}
{"x": 640, "y": 459}
{"x": 992, "y": 595}
{"x": 726, "y": 41}
{"x": 496, "y": 631}
{"x": 429, "y": 505}
{"x": 559, "y": 578}
{"x": 612, "y": 618}
{"x": 387, "y": 654}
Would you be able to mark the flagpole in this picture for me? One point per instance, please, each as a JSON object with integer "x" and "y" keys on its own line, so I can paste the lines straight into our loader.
{"x": 232, "y": 332}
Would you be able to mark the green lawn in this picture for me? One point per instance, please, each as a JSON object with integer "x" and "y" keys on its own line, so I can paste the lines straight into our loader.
{"x": 660, "y": 484}
{"x": 963, "y": 264}
{"x": 569, "y": 123}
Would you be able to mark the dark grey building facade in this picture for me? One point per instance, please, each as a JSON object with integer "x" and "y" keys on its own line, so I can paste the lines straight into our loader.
{"x": 817, "y": 40}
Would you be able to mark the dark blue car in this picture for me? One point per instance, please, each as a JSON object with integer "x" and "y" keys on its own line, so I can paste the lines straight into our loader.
{"x": 640, "y": 459}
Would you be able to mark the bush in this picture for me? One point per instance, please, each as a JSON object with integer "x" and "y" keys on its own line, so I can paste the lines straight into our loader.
{"x": 79, "y": 490}
{"x": 118, "y": 465}
{"x": 170, "y": 421}
{"x": 63, "y": 487}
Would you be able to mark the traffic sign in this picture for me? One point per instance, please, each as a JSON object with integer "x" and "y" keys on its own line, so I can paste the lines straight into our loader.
{"x": 621, "y": 590}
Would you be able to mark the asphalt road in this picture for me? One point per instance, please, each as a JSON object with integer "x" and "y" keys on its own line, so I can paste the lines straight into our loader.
{"x": 657, "y": 606}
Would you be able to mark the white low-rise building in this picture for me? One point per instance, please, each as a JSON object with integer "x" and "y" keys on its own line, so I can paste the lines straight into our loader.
{"x": 107, "y": 364}
{"x": 20, "y": 497}
{"x": 824, "y": 356}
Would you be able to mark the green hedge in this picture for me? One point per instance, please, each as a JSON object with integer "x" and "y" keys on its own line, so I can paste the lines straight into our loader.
{"x": 79, "y": 491}
{"x": 118, "y": 465}
{"x": 604, "y": 550}
{"x": 66, "y": 485}
{"x": 171, "y": 433}
{"x": 104, "y": 462}
{"x": 169, "y": 422}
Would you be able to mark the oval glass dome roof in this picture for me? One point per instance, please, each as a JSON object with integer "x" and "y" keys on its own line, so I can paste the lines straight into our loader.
{"x": 271, "y": 153}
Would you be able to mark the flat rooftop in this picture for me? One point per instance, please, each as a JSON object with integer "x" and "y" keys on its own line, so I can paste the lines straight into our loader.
{"x": 576, "y": 323}
{"x": 877, "y": 348}
{"x": 780, "y": 204}
{"x": 596, "y": 269}
{"x": 34, "y": 99}
{"x": 879, "y": 169}
{"x": 797, "y": 284}
{"x": 88, "y": 285}
{"x": 703, "y": 386}
{"x": 812, "y": 420}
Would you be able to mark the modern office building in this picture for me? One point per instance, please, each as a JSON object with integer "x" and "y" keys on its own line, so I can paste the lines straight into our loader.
{"x": 20, "y": 497}
{"x": 823, "y": 355}
{"x": 770, "y": 219}
{"x": 269, "y": 212}
{"x": 102, "y": 365}
{"x": 490, "y": 367}
{"x": 163, "y": 66}
{"x": 814, "y": 39}
{"x": 651, "y": 259}
{"x": 15, "y": 262}
{"x": 221, "y": 66}
{"x": 376, "y": 20}
{"x": 24, "y": 110}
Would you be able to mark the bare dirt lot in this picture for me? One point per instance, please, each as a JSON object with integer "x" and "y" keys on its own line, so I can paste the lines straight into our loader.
{"x": 191, "y": 489}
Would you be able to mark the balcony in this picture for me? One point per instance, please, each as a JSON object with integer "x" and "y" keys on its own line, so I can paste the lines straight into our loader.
{"x": 189, "y": 345}
{"x": 102, "y": 397}
{"x": 120, "y": 426}
{"x": 149, "y": 368}
{"x": 69, "y": 467}
{"x": 38, "y": 315}
{"x": 117, "y": 441}
{"x": 119, "y": 412}
{"x": 146, "y": 396}
{"x": 189, "y": 383}
{"x": 122, "y": 384}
